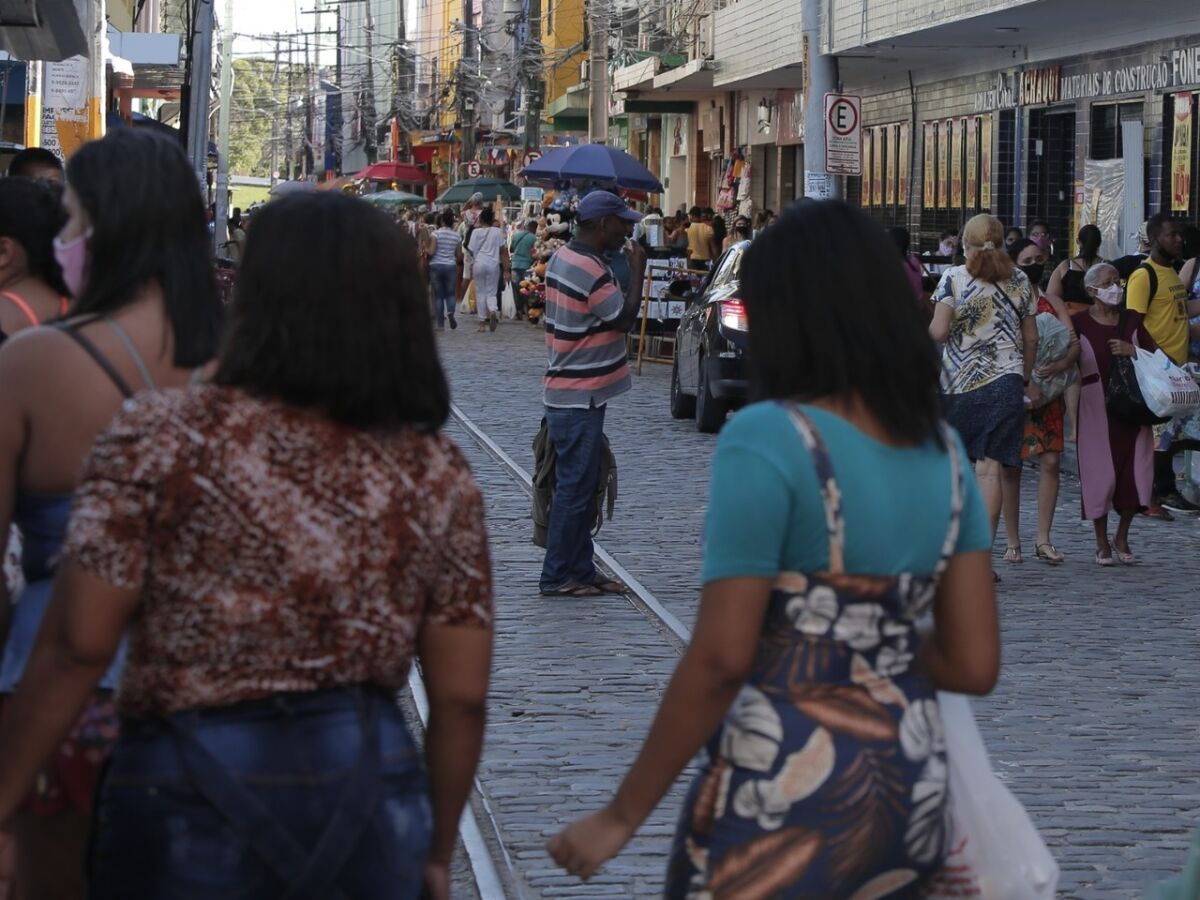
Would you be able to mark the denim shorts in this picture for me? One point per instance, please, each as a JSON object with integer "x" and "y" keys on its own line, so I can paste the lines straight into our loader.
{"x": 319, "y": 795}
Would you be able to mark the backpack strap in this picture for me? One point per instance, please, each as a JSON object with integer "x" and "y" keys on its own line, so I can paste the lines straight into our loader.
{"x": 19, "y": 302}
{"x": 831, "y": 497}
{"x": 99, "y": 358}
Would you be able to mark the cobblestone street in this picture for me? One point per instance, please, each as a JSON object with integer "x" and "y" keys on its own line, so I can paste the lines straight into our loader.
{"x": 1094, "y": 724}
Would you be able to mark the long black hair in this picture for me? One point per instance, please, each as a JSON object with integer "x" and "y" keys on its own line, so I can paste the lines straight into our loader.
{"x": 148, "y": 226}
{"x": 31, "y": 214}
{"x": 1089, "y": 239}
{"x": 330, "y": 313}
{"x": 824, "y": 329}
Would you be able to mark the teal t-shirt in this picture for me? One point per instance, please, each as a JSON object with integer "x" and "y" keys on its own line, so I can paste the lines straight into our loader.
{"x": 765, "y": 514}
{"x": 520, "y": 250}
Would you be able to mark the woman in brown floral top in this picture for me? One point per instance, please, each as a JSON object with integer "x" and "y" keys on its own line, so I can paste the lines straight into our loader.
{"x": 280, "y": 545}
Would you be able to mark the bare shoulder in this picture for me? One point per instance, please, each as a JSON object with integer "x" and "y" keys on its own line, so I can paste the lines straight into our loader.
{"x": 33, "y": 350}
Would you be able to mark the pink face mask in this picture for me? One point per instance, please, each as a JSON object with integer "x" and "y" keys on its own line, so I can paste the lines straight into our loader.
{"x": 74, "y": 258}
{"x": 1042, "y": 240}
{"x": 1110, "y": 295}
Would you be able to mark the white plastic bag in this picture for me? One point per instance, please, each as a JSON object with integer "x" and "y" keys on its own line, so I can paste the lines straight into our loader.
{"x": 508, "y": 304}
{"x": 995, "y": 852}
{"x": 1167, "y": 390}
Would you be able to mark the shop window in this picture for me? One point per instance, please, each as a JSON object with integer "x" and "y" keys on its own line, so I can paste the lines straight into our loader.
{"x": 1106, "y": 128}
{"x": 1006, "y": 161}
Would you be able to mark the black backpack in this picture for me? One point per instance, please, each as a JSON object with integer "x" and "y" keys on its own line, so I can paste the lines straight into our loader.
{"x": 545, "y": 461}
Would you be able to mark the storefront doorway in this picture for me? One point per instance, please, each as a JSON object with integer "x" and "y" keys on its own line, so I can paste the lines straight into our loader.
{"x": 1051, "y": 175}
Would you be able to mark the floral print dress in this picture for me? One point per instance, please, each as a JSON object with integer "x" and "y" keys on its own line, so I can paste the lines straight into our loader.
{"x": 828, "y": 776}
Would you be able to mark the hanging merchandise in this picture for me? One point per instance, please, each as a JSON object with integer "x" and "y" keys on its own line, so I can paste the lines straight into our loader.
{"x": 744, "y": 183}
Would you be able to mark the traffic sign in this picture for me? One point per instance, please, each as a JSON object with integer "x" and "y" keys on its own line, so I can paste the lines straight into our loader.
{"x": 532, "y": 156}
{"x": 474, "y": 169}
{"x": 843, "y": 134}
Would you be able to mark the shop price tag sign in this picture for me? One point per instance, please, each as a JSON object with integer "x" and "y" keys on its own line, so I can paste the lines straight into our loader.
{"x": 843, "y": 134}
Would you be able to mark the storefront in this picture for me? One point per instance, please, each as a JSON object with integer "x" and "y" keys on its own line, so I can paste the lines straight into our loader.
{"x": 1106, "y": 138}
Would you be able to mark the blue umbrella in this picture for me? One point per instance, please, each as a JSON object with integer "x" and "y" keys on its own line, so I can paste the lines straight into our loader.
{"x": 598, "y": 163}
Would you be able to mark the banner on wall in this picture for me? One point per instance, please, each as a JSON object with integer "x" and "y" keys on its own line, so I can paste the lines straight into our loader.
{"x": 972, "y": 176}
{"x": 902, "y": 168}
{"x": 890, "y": 184}
{"x": 985, "y": 163}
{"x": 877, "y": 161}
{"x": 944, "y": 164}
{"x": 868, "y": 149}
{"x": 929, "y": 166}
{"x": 956, "y": 172}
{"x": 1181, "y": 153}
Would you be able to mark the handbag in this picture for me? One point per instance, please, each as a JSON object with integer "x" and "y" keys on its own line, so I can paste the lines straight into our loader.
{"x": 1123, "y": 394}
{"x": 995, "y": 852}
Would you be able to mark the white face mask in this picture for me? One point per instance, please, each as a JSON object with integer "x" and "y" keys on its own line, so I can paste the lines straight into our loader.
{"x": 1110, "y": 295}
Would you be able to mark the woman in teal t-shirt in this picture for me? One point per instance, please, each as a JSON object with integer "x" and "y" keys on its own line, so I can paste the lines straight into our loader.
{"x": 520, "y": 252}
{"x": 842, "y": 511}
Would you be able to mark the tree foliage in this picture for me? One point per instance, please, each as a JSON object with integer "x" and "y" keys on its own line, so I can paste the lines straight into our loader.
{"x": 258, "y": 97}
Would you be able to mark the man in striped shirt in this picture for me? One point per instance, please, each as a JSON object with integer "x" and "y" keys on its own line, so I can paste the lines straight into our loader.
{"x": 586, "y": 318}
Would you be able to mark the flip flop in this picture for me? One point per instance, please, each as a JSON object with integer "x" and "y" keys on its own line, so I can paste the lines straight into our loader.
{"x": 610, "y": 586}
{"x": 574, "y": 589}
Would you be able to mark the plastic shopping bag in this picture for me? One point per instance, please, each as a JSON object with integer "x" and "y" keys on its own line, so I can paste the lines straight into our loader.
{"x": 466, "y": 306}
{"x": 1054, "y": 340}
{"x": 995, "y": 852}
{"x": 508, "y": 304}
{"x": 1167, "y": 389}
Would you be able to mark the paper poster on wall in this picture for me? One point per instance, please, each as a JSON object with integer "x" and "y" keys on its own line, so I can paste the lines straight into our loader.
{"x": 890, "y": 178}
{"x": 1181, "y": 153}
{"x": 929, "y": 167}
{"x": 956, "y": 172}
{"x": 877, "y": 166}
{"x": 972, "y": 176}
{"x": 944, "y": 164}
{"x": 985, "y": 163}
{"x": 902, "y": 167}
{"x": 869, "y": 197}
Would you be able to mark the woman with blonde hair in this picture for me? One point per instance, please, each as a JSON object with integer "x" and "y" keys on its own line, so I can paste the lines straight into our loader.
{"x": 984, "y": 316}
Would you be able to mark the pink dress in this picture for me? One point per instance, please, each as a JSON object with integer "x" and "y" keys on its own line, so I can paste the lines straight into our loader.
{"x": 1116, "y": 459}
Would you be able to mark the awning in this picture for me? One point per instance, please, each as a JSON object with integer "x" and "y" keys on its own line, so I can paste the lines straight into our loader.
{"x": 402, "y": 173}
{"x": 47, "y": 30}
{"x": 156, "y": 60}
{"x": 571, "y": 104}
{"x": 694, "y": 76}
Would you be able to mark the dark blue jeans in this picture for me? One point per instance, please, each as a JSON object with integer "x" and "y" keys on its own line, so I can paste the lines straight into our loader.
{"x": 445, "y": 284}
{"x": 576, "y": 435}
{"x": 318, "y": 795}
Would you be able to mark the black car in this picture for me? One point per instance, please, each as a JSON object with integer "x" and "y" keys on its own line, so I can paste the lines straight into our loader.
{"x": 708, "y": 377}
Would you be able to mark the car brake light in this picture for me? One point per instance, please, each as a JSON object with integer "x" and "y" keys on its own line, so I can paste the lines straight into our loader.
{"x": 733, "y": 315}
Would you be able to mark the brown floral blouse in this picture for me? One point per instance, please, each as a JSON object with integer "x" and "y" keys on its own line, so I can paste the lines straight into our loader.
{"x": 272, "y": 549}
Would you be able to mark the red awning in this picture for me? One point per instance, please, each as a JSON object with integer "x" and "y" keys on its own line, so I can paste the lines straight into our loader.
{"x": 405, "y": 173}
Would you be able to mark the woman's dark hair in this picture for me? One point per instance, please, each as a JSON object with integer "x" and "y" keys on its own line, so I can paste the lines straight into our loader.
{"x": 820, "y": 330}
{"x": 28, "y": 161}
{"x": 1090, "y": 239}
{"x": 148, "y": 225}
{"x": 330, "y": 313}
{"x": 487, "y": 216}
{"x": 1036, "y": 222}
{"x": 1018, "y": 246}
{"x": 720, "y": 231}
{"x": 447, "y": 219}
{"x": 31, "y": 214}
{"x": 1013, "y": 229}
{"x": 901, "y": 238}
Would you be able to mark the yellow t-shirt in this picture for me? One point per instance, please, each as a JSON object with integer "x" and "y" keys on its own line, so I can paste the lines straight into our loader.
{"x": 1165, "y": 312}
{"x": 700, "y": 238}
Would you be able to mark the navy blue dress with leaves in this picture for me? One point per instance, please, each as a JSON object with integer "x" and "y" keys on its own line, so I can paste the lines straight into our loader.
{"x": 828, "y": 776}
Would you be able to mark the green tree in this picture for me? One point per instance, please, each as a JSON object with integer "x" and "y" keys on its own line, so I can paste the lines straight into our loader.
{"x": 258, "y": 97}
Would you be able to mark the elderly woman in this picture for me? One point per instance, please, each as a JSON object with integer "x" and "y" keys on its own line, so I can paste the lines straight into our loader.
{"x": 1116, "y": 459}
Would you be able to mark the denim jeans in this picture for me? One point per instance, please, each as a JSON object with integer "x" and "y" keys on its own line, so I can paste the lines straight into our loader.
{"x": 318, "y": 795}
{"x": 576, "y": 435}
{"x": 444, "y": 279}
{"x": 518, "y": 300}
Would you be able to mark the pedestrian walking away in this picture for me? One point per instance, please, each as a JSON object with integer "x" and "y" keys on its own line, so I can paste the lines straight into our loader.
{"x": 587, "y": 317}
{"x": 489, "y": 267}
{"x": 984, "y": 316}
{"x": 445, "y": 262}
{"x": 290, "y": 762}
{"x": 144, "y": 315}
{"x": 805, "y": 671}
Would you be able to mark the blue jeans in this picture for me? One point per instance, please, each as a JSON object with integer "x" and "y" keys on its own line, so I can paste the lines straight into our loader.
{"x": 313, "y": 795}
{"x": 445, "y": 284}
{"x": 576, "y": 435}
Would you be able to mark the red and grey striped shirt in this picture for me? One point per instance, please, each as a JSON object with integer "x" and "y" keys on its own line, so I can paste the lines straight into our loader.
{"x": 587, "y": 363}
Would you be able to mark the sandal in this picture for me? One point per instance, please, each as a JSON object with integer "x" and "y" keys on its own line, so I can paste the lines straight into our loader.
{"x": 1048, "y": 553}
{"x": 574, "y": 589}
{"x": 610, "y": 586}
{"x": 1126, "y": 557}
{"x": 1102, "y": 560}
{"x": 1013, "y": 554}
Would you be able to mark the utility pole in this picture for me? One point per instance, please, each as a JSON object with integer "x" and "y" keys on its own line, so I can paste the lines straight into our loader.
{"x": 533, "y": 76}
{"x": 97, "y": 38}
{"x": 468, "y": 81}
{"x": 306, "y": 143}
{"x": 275, "y": 118}
{"x": 368, "y": 102}
{"x": 820, "y": 78}
{"x": 221, "y": 219}
{"x": 288, "y": 149}
{"x": 200, "y": 64}
{"x": 598, "y": 71}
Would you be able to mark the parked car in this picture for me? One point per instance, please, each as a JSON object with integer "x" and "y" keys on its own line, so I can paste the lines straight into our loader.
{"x": 708, "y": 378}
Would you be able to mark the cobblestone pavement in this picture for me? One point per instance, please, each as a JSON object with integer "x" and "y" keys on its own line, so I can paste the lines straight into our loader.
{"x": 1094, "y": 725}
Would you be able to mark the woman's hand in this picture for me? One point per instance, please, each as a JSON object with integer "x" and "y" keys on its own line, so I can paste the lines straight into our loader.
{"x": 1034, "y": 393}
{"x": 585, "y": 845}
{"x": 1122, "y": 348}
{"x": 437, "y": 882}
{"x": 1054, "y": 368}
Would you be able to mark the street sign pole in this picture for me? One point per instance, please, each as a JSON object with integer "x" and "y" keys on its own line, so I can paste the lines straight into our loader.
{"x": 820, "y": 78}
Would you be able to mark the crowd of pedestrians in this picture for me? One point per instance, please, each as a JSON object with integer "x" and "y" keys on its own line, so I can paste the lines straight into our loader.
{"x": 241, "y": 526}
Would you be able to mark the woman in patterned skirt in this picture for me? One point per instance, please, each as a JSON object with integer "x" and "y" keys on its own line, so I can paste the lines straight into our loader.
{"x": 806, "y": 679}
